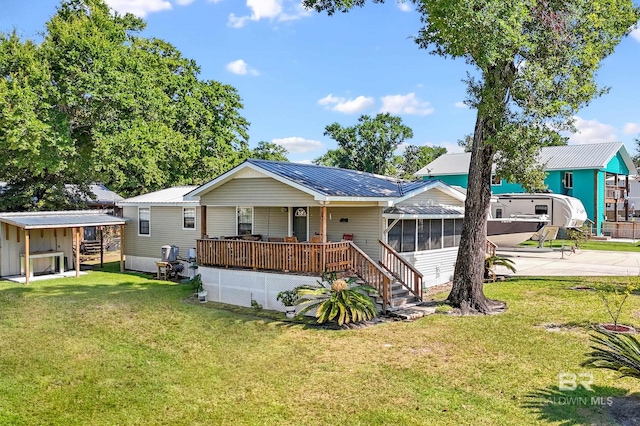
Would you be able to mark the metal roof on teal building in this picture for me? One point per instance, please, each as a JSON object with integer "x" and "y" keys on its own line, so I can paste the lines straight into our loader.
{"x": 567, "y": 157}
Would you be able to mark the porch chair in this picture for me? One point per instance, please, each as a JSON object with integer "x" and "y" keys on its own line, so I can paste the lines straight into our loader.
{"x": 293, "y": 239}
{"x": 347, "y": 237}
{"x": 316, "y": 238}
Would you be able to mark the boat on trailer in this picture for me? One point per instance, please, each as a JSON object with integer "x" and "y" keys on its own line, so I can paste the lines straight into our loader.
{"x": 516, "y": 217}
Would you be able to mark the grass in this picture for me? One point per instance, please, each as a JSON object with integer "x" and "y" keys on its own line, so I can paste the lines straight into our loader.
{"x": 110, "y": 348}
{"x": 589, "y": 245}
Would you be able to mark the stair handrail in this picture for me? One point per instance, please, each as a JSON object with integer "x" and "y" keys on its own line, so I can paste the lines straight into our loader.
{"x": 360, "y": 261}
{"x": 415, "y": 277}
{"x": 490, "y": 248}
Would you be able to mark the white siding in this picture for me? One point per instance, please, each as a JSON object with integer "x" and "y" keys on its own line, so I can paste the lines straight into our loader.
{"x": 166, "y": 229}
{"x": 365, "y": 223}
{"x": 39, "y": 241}
{"x": 271, "y": 222}
{"x": 256, "y": 192}
{"x": 435, "y": 265}
{"x": 432, "y": 197}
{"x": 221, "y": 221}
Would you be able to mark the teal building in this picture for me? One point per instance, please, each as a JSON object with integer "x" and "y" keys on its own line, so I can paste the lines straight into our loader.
{"x": 580, "y": 171}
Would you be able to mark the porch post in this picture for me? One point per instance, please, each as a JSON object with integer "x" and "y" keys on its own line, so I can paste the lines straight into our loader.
{"x": 323, "y": 223}
{"x": 203, "y": 222}
{"x": 27, "y": 260}
{"x": 121, "y": 248}
{"x": 76, "y": 237}
{"x": 626, "y": 198}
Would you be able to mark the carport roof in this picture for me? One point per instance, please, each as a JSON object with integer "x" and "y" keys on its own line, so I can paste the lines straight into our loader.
{"x": 60, "y": 219}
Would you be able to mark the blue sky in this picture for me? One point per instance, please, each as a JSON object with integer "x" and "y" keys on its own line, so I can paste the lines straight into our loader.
{"x": 300, "y": 71}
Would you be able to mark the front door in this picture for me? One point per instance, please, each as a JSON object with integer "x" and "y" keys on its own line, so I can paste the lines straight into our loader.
{"x": 300, "y": 223}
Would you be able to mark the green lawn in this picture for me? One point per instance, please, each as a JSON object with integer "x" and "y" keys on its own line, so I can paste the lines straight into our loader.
{"x": 109, "y": 348}
{"x": 589, "y": 245}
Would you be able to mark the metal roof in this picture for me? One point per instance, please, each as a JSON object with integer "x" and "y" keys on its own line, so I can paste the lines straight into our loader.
{"x": 566, "y": 157}
{"x": 60, "y": 219}
{"x": 103, "y": 195}
{"x": 170, "y": 196}
{"x": 416, "y": 210}
{"x": 333, "y": 181}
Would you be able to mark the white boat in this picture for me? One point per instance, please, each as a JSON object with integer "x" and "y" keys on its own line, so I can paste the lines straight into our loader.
{"x": 516, "y": 217}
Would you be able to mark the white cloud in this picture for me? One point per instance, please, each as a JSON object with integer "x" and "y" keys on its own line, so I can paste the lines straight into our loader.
{"x": 304, "y": 162}
{"x": 347, "y": 106}
{"x": 631, "y": 128}
{"x": 592, "y": 131}
{"x": 268, "y": 9}
{"x": 298, "y": 144}
{"x": 240, "y": 67}
{"x": 404, "y": 7}
{"x": 184, "y": 2}
{"x": 405, "y": 104}
{"x": 636, "y": 34}
{"x": 139, "y": 7}
{"x": 460, "y": 104}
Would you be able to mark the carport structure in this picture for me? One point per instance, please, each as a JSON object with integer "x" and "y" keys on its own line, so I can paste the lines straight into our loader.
{"x": 43, "y": 237}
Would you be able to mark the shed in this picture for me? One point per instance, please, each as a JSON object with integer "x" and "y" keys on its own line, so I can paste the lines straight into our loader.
{"x": 47, "y": 238}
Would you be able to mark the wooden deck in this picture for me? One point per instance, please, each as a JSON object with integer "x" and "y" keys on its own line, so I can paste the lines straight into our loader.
{"x": 313, "y": 258}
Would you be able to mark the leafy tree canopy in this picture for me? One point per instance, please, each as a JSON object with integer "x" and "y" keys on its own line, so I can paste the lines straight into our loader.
{"x": 269, "y": 151}
{"x": 94, "y": 101}
{"x": 367, "y": 146}
{"x": 535, "y": 63}
{"x": 416, "y": 157}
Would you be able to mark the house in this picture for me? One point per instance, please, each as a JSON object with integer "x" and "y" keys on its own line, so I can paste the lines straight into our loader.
{"x": 156, "y": 219}
{"x": 45, "y": 242}
{"x": 579, "y": 171}
{"x": 267, "y": 226}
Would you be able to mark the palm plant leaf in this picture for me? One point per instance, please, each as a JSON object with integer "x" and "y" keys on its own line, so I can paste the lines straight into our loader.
{"x": 618, "y": 352}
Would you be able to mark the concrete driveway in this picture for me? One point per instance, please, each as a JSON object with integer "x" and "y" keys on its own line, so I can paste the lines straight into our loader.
{"x": 580, "y": 263}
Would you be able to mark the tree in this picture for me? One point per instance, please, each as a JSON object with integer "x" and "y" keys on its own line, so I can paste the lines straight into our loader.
{"x": 535, "y": 64}
{"x": 94, "y": 101}
{"x": 416, "y": 157}
{"x": 269, "y": 151}
{"x": 367, "y": 146}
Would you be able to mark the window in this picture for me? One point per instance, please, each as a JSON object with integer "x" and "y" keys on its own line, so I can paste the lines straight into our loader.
{"x": 189, "y": 218}
{"x": 567, "y": 180}
{"x": 144, "y": 221}
{"x": 542, "y": 209}
{"x": 495, "y": 180}
{"x": 424, "y": 234}
{"x": 498, "y": 213}
{"x": 408, "y": 235}
{"x": 245, "y": 220}
{"x": 449, "y": 238}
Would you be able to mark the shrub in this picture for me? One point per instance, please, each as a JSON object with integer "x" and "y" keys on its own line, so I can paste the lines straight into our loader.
{"x": 337, "y": 300}
{"x": 614, "y": 296}
{"x": 288, "y": 297}
{"x": 618, "y": 352}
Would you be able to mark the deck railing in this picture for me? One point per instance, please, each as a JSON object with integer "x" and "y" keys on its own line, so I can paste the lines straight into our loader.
{"x": 404, "y": 272}
{"x": 313, "y": 258}
{"x": 615, "y": 192}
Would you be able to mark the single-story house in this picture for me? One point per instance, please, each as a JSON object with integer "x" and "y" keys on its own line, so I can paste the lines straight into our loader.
{"x": 580, "y": 171}
{"x": 267, "y": 226}
{"x": 46, "y": 242}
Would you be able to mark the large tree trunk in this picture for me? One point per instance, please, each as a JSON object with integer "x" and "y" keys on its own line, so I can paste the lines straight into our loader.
{"x": 468, "y": 278}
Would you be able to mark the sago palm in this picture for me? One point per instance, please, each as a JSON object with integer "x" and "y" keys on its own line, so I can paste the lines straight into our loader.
{"x": 339, "y": 301}
{"x": 618, "y": 352}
